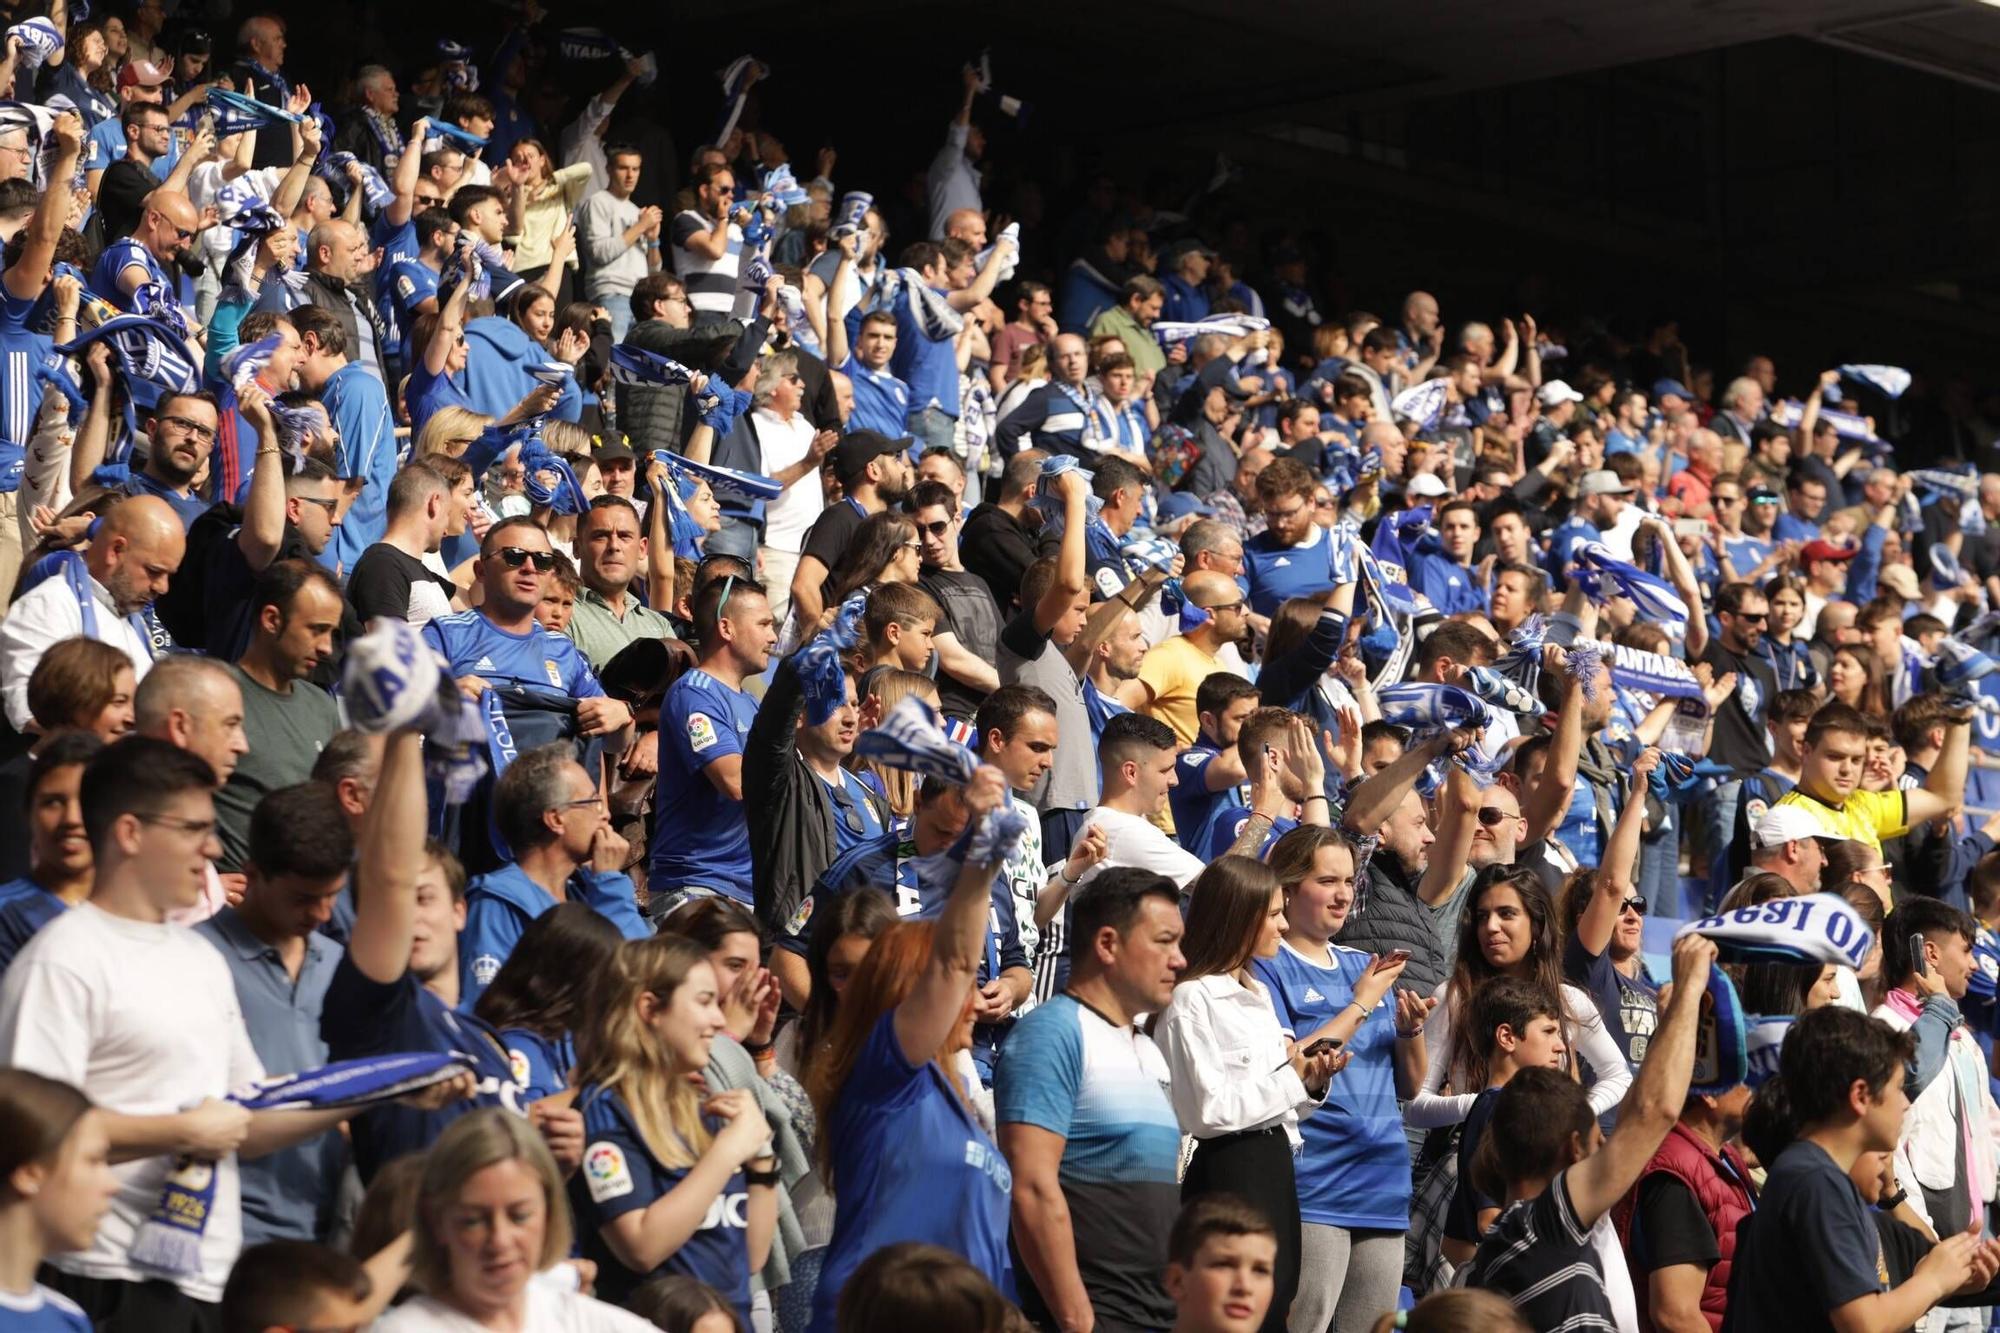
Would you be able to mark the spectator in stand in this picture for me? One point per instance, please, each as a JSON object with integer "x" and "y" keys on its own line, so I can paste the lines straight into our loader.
{"x": 55, "y": 843}
{"x": 621, "y": 239}
{"x": 358, "y": 407}
{"x": 392, "y": 577}
{"x": 708, "y": 245}
{"x": 952, "y": 184}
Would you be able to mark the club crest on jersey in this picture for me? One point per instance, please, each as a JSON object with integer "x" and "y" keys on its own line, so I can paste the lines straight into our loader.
{"x": 605, "y": 1172}
{"x": 555, "y": 673}
{"x": 484, "y": 968}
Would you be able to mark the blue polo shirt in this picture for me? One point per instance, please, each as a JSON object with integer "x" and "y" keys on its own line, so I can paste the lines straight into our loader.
{"x": 912, "y": 1165}
{"x": 881, "y": 401}
{"x": 1279, "y": 572}
{"x": 1190, "y": 799}
{"x": 1225, "y": 826}
{"x": 700, "y": 836}
{"x": 620, "y": 1175}
{"x": 1354, "y": 1170}
{"x": 411, "y": 283}
{"x": 288, "y": 1194}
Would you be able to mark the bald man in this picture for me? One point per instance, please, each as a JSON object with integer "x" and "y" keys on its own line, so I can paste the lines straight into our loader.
{"x": 1173, "y": 669}
{"x": 147, "y": 258}
{"x": 968, "y": 225}
{"x": 102, "y": 595}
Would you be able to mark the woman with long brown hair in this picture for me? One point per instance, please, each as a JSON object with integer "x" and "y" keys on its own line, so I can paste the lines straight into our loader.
{"x": 1509, "y": 928}
{"x": 1854, "y": 677}
{"x": 1239, "y": 1086}
{"x": 898, "y": 1141}
{"x": 672, "y": 1181}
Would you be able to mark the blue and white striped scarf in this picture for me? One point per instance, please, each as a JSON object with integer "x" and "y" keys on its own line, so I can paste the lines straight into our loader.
{"x": 735, "y": 77}
{"x": 912, "y": 737}
{"x": 1422, "y": 403}
{"x": 393, "y": 679}
{"x": 933, "y": 314}
{"x": 1892, "y": 381}
{"x": 236, "y": 113}
{"x": 1169, "y": 331}
{"x": 822, "y": 677}
{"x": 1817, "y": 928}
{"x": 635, "y": 365}
{"x": 39, "y": 40}
{"x": 1655, "y": 597}
{"x": 169, "y": 1240}
{"x": 740, "y": 488}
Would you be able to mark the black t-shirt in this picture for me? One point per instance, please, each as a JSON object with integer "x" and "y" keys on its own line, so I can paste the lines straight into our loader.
{"x": 393, "y": 583}
{"x": 1740, "y": 739}
{"x": 121, "y": 195}
{"x": 831, "y": 532}
{"x": 1670, "y": 1228}
{"x": 972, "y": 617}
{"x": 1630, "y": 1005}
{"x": 1539, "y": 1255}
{"x": 1810, "y": 1248}
{"x": 1461, "y": 1222}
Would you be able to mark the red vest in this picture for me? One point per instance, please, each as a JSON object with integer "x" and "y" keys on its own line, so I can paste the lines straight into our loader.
{"x": 1724, "y": 1200}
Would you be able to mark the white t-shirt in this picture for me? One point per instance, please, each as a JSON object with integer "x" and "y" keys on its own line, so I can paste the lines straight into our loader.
{"x": 550, "y": 1310}
{"x": 143, "y": 1018}
{"x": 788, "y": 518}
{"x": 1132, "y": 841}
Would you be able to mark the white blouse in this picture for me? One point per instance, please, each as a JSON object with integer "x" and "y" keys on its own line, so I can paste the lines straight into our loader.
{"x": 1585, "y": 1034}
{"x": 550, "y": 1310}
{"x": 1226, "y": 1060}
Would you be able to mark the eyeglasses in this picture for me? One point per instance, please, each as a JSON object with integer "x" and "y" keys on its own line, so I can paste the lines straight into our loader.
{"x": 936, "y": 529}
{"x": 580, "y": 803}
{"x": 1236, "y": 605}
{"x": 194, "y": 828}
{"x": 331, "y": 507}
{"x": 1491, "y": 815}
{"x": 676, "y": 296}
{"x": 205, "y": 434}
{"x": 22, "y": 149}
{"x": 1636, "y": 906}
{"x": 910, "y": 546}
{"x": 1728, "y": 499}
{"x": 515, "y": 556}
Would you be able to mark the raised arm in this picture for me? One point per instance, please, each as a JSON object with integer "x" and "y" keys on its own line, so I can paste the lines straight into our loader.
{"x": 408, "y": 167}
{"x": 292, "y": 188}
{"x": 928, "y": 1015}
{"x": 1614, "y": 878}
{"x": 1944, "y": 789}
{"x": 392, "y": 853}
{"x": 92, "y": 436}
{"x": 836, "y": 324}
{"x": 450, "y": 325}
{"x": 27, "y": 276}
{"x": 1377, "y": 797}
{"x": 1072, "y": 572}
{"x": 1457, "y": 817}
{"x": 263, "y": 530}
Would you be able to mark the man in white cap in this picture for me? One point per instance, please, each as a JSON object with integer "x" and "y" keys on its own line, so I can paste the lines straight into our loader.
{"x": 1558, "y": 403}
{"x": 1786, "y": 843}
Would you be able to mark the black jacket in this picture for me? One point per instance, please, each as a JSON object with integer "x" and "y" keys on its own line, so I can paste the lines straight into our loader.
{"x": 1391, "y": 916}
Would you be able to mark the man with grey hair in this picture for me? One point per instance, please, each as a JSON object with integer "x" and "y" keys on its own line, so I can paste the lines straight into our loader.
{"x": 374, "y": 136}
{"x": 1742, "y": 408}
{"x": 790, "y": 451}
{"x": 553, "y": 817}
{"x": 1420, "y": 340}
{"x": 16, "y": 153}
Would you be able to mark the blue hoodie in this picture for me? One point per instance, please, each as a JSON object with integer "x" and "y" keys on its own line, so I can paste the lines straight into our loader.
{"x": 498, "y": 353}
{"x": 499, "y": 905}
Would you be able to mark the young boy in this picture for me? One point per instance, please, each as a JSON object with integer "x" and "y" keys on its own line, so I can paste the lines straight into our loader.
{"x": 558, "y": 602}
{"x": 1552, "y": 1251}
{"x": 1811, "y": 1257}
{"x": 1221, "y": 1258}
{"x": 898, "y": 627}
{"x": 1516, "y": 1025}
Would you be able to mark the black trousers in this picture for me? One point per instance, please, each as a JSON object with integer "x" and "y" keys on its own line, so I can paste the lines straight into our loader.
{"x": 156, "y": 1306}
{"x": 1256, "y": 1166}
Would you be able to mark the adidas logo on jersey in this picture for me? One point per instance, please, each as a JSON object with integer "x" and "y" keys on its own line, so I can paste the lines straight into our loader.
{"x": 484, "y": 664}
{"x": 1282, "y": 562}
{"x": 1314, "y": 997}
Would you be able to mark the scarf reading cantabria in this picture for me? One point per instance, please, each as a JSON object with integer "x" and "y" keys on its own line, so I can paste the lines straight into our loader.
{"x": 169, "y": 1240}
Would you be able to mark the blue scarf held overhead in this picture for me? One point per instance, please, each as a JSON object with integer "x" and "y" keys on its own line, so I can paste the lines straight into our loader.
{"x": 169, "y": 1240}
{"x": 741, "y": 488}
{"x": 1818, "y": 928}
{"x": 912, "y": 737}
{"x": 822, "y": 678}
{"x": 394, "y": 679}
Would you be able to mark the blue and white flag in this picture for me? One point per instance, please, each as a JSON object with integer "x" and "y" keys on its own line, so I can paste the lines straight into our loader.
{"x": 741, "y": 488}
{"x": 451, "y": 135}
{"x": 1893, "y": 381}
{"x": 1422, "y": 403}
{"x": 1818, "y": 928}
{"x": 1655, "y": 597}
{"x": 151, "y": 356}
{"x": 237, "y": 112}
{"x": 39, "y": 40}
{"x": 911, "y": 736}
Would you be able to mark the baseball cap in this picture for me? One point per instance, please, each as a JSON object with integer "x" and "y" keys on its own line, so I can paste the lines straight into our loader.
{"x": 857, "y": 449}
{"x": 1761, "y": 495}
{"x": 1557, "y": 391}
{"x": 1192, "y": 245}
{"x": 1181, "y": 504}
{"x": 1785, "y": 823}
{"x": 1428, "y": 485}
{"x": 1671, "y": 389}
{"x": 613, "y": 445}
{"x": 1901, "y": 580}
{"x": 1822, "y": 549}
{"x": 1602, "y": 482}
{"x": 141, "y": 74}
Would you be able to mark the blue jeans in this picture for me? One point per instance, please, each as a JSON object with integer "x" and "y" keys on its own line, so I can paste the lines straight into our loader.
{"x": 933, "y": 429}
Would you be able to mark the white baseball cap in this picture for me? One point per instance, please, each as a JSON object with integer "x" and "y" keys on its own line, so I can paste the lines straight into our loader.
{"x": 1427, "y": 485}
{"x": 1785, "y": 823}
{"x": 1557, "y": 391}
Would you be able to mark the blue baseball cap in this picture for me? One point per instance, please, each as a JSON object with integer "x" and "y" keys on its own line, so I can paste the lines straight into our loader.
{"x": 1674, "y": 388}
{"x": 1180, "y": 504}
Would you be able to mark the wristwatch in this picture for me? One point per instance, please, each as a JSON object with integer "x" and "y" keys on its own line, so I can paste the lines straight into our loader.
{"x": 1889, "y": 1203}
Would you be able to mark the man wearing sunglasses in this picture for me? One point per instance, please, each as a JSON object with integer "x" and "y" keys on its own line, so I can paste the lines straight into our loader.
{"x": 708, "y": 245}
{"x": 1213, "y": 613}
{"x": 1740, "y": 739}
{"x": 150, "y": 256}
{"x": 501, "y": 645}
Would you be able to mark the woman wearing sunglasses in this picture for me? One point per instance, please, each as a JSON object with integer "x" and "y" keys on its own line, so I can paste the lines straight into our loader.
{"x": 1605, "y": 918}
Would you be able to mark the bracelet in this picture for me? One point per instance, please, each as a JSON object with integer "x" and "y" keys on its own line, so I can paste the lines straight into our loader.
{"x": 1062, "y": 873}
{"x": 767, "y": 1179}
{"x": 1317, "y": 796}
{"x": 757, "y": 1047}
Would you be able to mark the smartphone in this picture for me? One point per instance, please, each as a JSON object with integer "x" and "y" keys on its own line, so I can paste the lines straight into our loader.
{"x": 1918, "y": 963}
{"x": 1322, "y": 1046}
{"x": 1395, "y": 956}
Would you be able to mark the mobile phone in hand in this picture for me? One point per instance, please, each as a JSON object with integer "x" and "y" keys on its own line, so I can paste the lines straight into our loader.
{"x": 1918, "y": 963}
{"x": 1321, "y": 1047}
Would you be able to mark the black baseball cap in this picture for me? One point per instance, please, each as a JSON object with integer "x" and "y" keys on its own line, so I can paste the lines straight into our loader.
{"x": 857, "y": 449}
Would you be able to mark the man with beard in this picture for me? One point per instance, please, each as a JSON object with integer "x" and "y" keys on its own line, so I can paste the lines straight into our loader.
{"x": 178, "y": 440}
{"x": 874, "y": 472}
{"x": 287, "y": 722}
{"x": 1740, "y": 739}
{"x": 1406, "y": 883}
{"x": 128, "y": 563}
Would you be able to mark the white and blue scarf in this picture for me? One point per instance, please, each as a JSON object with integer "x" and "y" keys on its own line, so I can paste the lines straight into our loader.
{"x": 912, "y": 737}
{"x": 1817, "y": 928}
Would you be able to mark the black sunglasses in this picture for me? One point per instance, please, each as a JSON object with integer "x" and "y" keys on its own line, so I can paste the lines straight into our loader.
{"x": 936, "y": 529}
{"x": 1491, "y": 815}
{"x": 1636, "y": 906}
{"x": 515, "y": 556}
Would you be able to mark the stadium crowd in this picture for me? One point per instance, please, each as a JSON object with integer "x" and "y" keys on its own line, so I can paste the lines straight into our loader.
{"x": 793, "y": 760}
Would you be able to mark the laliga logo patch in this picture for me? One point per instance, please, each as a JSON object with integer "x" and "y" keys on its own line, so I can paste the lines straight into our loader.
{"x": 701, "y": 732}
{"x": 799, "y": 917}
{"x": 517, "y": 1064}
{"x": 605, "y": 1172}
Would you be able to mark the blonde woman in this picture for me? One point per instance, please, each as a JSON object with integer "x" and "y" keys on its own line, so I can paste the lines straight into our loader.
{"x": 450, "y": 431}
{"x": 672, "y": 1182}
{"x": 889, "y": 686}
{"x": 490, "y": 1218}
